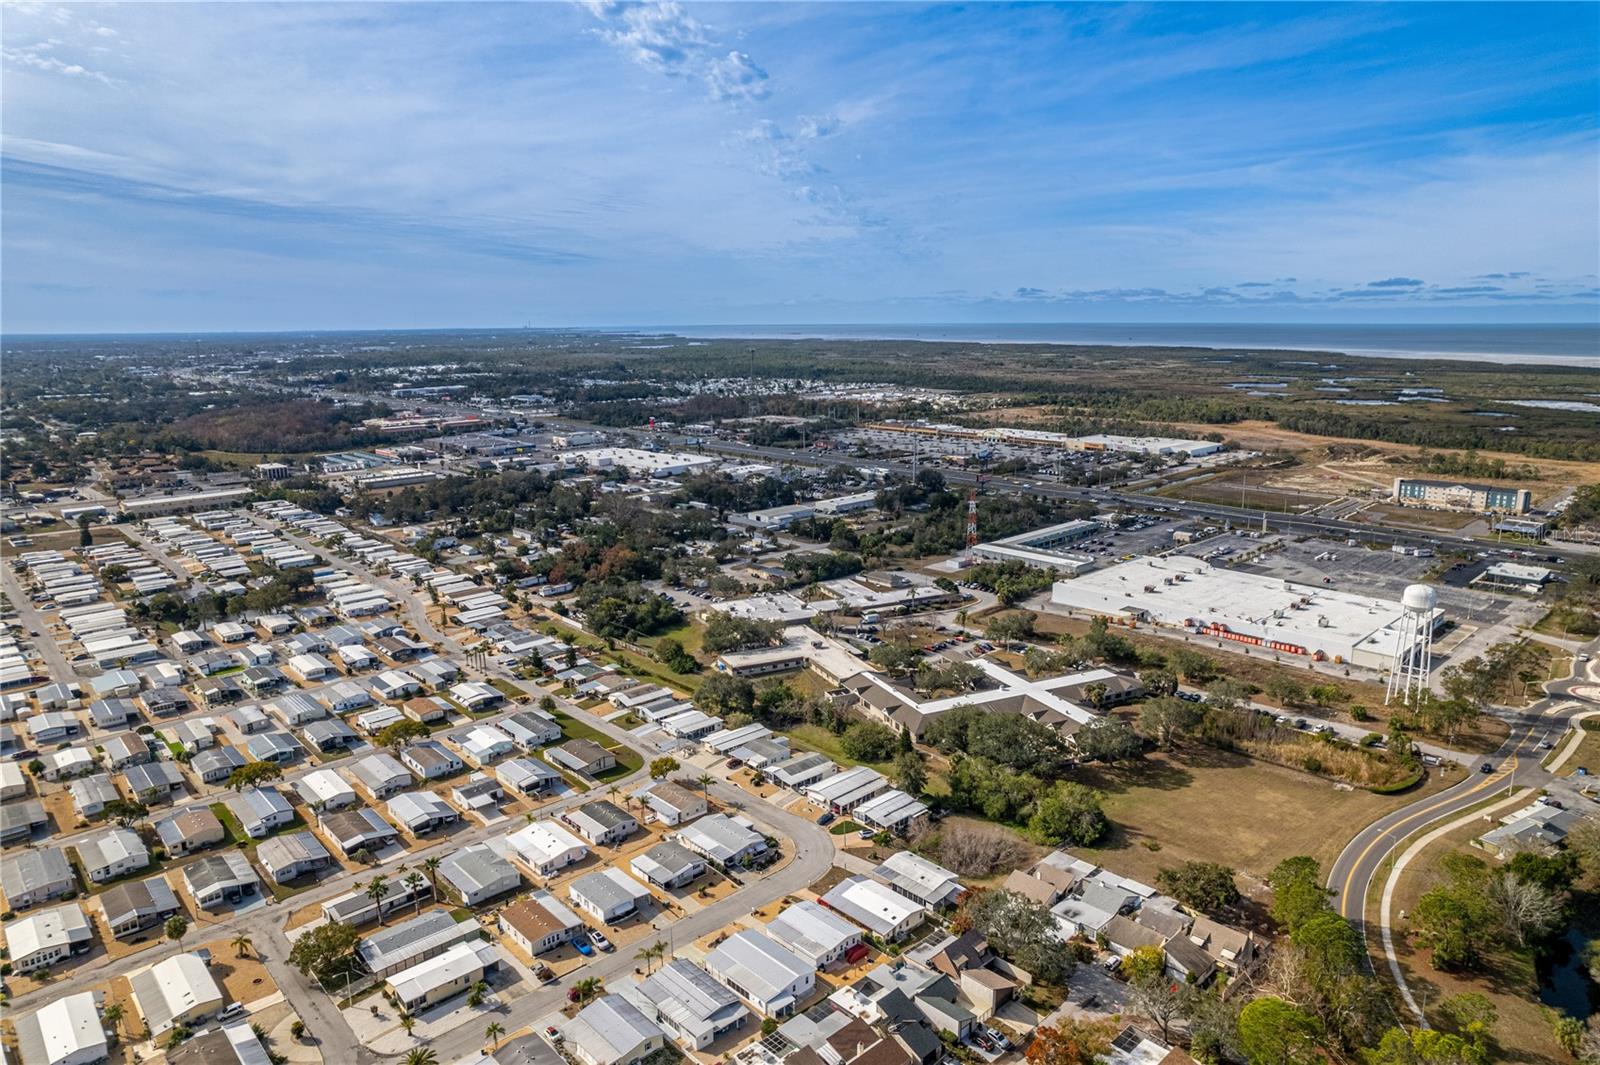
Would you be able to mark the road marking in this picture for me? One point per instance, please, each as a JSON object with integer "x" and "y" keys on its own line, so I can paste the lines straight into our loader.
{"x": 1393, "y": 879}
{"x": 1344, "y": 895}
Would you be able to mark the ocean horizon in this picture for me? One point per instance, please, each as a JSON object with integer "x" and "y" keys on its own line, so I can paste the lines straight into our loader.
{"x": 1575, "y": 344}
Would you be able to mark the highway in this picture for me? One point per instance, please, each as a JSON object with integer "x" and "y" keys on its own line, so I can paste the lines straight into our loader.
{"x": 1099, "y": 496}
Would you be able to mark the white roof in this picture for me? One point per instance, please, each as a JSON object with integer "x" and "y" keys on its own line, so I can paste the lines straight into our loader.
{"x": 172, "y": 987}
{"x": 48, "y": 928}
{"x": 441, "y": 969}
{"x": 610, "y": 1028}
{"x": 811, "y": 929}
{"x": 762, "y": 966}
{"x": 64, "y": 1029}
{"x": 871, "y": 905}
{"x": 544, "y": 841}
{"x": 323, "y": 785}
{"x": 930, "y": 878}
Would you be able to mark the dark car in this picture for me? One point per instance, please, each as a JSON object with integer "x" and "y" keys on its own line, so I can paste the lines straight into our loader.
{"x": 826, "y": 819}
{"x": 1487, "y": 767}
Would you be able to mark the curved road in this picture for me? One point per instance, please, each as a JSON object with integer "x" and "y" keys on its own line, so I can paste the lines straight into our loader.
{"x": 1516, "y": 765}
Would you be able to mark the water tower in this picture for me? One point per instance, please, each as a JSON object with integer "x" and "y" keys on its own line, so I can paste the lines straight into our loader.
{"x": 1412, "y": 668}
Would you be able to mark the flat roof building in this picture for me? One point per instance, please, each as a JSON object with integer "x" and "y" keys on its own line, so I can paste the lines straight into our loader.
{"x": 1258, "y": 611}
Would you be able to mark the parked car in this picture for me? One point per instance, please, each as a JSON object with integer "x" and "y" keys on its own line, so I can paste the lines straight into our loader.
{"x": 826, "y": 819}
{"x": 583, "y": 948}
{"x": 598, "y": 938}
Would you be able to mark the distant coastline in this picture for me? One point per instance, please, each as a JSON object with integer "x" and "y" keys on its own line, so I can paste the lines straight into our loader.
{"x": 1554, "y": 345}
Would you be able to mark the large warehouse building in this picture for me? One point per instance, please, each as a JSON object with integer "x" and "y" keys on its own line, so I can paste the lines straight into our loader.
{"x": 1266, "y": 612}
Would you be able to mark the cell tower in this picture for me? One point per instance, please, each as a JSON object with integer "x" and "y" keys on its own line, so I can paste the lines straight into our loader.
{"x": 972, "y": 521}
{"x": 1412, "y": 669}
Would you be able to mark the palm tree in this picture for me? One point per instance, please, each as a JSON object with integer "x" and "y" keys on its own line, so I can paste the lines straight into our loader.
{"x": 407, "y": 1022}
{"x": 414, "y": 878}
{"x": 421, "y": 1056}
{"x": 376, "y": 891}
{"x": 586, "y": 988}
{"x": 493, "y": 1033}
{"x": 475, "y": 996}
{"x": 646, "y": 955}
{"x": 432, "y": 866}
{"x": 112, "y": 1015}
{"x": 241, "y": 945}
{"x": 705, "y": 782}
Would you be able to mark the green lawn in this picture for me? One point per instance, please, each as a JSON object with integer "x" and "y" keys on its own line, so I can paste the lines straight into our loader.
{"x": 509, "y": 690}
{"x": 817, "y": 738}
{"x": 630, "y": 662}
{"x": 627, "y": 760}
{"x": 234, "y": 831}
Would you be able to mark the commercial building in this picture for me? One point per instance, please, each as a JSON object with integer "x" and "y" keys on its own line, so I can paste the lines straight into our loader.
{"x": 640, "y": 463}
{"x": 1458, "y": 495}
{"x": 1275, "y": 615}
{"x": 1043, "y": 548}
{"x": 1147, "y": 445}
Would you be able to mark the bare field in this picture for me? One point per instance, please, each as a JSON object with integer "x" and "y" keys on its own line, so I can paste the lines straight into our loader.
{"x": 1152, "y": 805}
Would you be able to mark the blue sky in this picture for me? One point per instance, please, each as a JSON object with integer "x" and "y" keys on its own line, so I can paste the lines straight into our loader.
{"x": 253, "y": 166}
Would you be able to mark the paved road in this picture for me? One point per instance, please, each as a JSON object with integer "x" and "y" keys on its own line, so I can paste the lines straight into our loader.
{"x": 1516, "y": 765}
{"x": 1239, "y": 516}
{"x": 814, "y": 855}
{"x": 44, "y": 643}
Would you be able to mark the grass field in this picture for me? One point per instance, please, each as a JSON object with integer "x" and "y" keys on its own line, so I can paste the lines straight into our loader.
{"x": 817, "y": 738}
{"x": 1588, "y": 753}
{"x": 1210, "y": 805}
{"x": 627, "y": 760}
{"x": 1229, "y": 490}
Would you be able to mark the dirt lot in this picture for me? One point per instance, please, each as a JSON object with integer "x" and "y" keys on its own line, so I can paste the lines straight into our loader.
{"x": 243, "y": 979}
{"x": 1368, "y": 461}
{"x": 1251, "y": 815}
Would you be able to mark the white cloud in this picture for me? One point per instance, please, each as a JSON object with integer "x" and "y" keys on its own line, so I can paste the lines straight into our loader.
{"x": 816, "y": 127}
{"x": 667, "y": 39}
{"x": 736, "y": 77}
